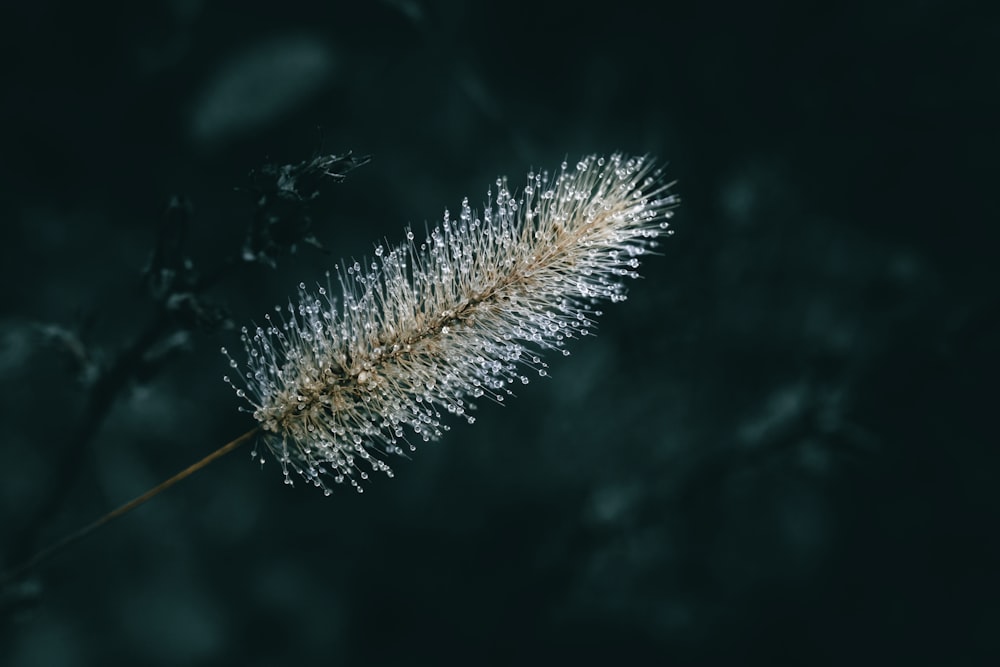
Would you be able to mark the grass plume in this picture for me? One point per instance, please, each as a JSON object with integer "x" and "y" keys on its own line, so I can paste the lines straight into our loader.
{"x": 342, "y": 379}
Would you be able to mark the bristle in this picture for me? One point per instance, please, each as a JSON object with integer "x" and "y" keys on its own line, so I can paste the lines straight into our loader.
{"x": 430, "y": 326}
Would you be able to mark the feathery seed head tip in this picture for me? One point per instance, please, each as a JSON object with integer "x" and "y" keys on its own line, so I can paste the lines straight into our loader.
{"x": 346, "y": 376}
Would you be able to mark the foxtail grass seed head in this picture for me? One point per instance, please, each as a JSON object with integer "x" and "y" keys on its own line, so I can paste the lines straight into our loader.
{"x": 347, "y": 376}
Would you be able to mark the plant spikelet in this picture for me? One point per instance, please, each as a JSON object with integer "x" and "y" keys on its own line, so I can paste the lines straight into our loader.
{"x": 346, "y": 377}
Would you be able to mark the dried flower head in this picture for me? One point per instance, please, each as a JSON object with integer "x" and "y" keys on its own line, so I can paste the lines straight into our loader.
{"x": 428, "y": 327}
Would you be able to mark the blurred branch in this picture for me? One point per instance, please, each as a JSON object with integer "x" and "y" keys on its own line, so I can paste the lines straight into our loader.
{"x": 282, "y": 194}
{"x": 68, "y": 342}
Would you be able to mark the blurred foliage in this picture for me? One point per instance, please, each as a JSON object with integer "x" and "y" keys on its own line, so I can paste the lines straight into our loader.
{"x": 778, "y": 450}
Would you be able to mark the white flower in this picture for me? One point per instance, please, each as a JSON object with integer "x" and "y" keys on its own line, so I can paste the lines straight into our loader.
{"x": 428, "y": 327}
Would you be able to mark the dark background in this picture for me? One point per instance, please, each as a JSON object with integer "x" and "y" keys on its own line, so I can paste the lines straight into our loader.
{"x": 780, "y": 450}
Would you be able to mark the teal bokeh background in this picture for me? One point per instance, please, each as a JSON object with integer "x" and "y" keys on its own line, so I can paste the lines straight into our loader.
{"x": 778, "y": 450}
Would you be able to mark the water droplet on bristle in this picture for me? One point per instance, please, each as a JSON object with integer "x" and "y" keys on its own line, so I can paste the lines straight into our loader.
{"x": 341, "y": 382}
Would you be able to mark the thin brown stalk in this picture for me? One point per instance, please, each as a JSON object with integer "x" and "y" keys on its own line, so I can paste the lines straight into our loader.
{"x": 56, "y": 547}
